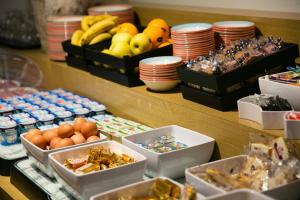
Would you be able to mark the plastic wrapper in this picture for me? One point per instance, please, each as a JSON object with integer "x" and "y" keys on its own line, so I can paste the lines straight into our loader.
{"x": 236, "y": 54}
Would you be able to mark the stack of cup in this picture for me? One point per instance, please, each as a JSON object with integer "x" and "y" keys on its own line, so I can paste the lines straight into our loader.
{"x": 192, "y": 40}
{"x": 59, "y": 29}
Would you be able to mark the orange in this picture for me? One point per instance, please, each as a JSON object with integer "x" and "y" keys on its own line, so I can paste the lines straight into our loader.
{"x": 156, "y": 34}
{"x": 128, "y": 28}
{"x": 157, "y": 22}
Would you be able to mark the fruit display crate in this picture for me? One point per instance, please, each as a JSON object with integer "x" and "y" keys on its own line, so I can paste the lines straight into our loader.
{"x": 120, "y": 70}
{"x": 75, "y": 55}
{"x": 220, "y": 82}
{"x": 221, "y": 95}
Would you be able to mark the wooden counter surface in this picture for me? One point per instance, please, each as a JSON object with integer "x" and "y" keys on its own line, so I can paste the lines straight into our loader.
{"x": 153, "y": 109}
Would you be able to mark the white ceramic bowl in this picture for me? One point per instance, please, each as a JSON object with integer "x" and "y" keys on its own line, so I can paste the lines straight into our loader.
{"x": 172, "y": 164}
{"x": 162, "y": 60}
{"x": 161, "y": 86}
{"x": 92, "y": 183}
{"x": 242, "y": 194}
{"x": 253, "y": 112}
{"x": 289, "y": 92}
{"x": 285, "y": 192}
{"x": 139, "y": 189}
{"x": 291, "y": 127}
{"x": 39, "y": 157}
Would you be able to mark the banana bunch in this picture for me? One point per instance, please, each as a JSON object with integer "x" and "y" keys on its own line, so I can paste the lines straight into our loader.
{"x": 94, "y": 29}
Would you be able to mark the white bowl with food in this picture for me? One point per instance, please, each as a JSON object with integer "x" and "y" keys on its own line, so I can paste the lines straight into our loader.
{"x": 287, "y": 91}
{"x": 242, "y": 194}
{"x": 143, "y": 189}
{"x": 232, "y": 166}
{"x": 89, "y": 176}
{"x": 38, "y": 148}
{"x": 198, "y": 149}
{"x": 253, "y": 112}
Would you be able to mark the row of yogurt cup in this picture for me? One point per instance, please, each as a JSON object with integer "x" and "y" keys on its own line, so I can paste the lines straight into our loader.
{"x": 21, "y": 113}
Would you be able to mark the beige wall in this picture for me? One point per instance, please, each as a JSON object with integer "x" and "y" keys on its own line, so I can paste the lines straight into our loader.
{"x": 288, "y": 9}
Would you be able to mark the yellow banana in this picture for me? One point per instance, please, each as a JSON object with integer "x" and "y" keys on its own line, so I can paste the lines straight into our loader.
{"x": 100, "y": 38}
{"x": 75, "y": 39}
{"x": 96, "y": 19}
{"x": 85, "y": 22}
{"x": 96, "y": 29}
{"x": 113, "y": 18}
{"x": 114, "y": 30}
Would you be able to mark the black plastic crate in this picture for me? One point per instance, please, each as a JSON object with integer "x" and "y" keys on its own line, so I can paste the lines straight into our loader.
{"x": 128, "y": 64}
{"x": 221, "y": 82}
{"x": 129, "y": 80}
{"x": 222, "y": 103}
{"x": 93, "y": 53}
{"x": 75, "y": 55}
{"x": 77, "y": 62}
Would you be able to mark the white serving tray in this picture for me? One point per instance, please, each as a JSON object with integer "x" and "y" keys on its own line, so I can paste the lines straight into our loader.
{"x": 253, "y": 112}
{"x": 289, "y": 92}
{"x": 172, "y": 164}
{"x": 40, "y": 156}
{"x": 242, "y": 194}
{"x": 92, "y": 183}
{"x": 291, "y": 127}
{"x": 135, "y": 190}
{"x": 285, "y": 192}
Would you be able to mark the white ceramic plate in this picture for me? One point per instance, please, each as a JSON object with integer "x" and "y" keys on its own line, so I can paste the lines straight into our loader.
{"x": 234, "y": 24}
{"x": 191, "y": 27}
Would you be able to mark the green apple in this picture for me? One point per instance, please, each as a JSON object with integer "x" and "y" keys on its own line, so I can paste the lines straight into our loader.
{"x": 120, "y": 38}
{"x": 120, "y": 50}
{"x": 140, "y": 43}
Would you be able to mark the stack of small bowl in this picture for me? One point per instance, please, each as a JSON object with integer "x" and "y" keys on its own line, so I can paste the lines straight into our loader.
{"x": 123, "y": 11}
{"x": 228, "y": 31}
{"x": 59, "y": 29}
{"x": 192, "y": 40}
{"x": 159, "y": 73}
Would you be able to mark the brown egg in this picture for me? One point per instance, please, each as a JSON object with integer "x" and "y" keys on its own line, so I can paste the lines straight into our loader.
{"x": 32, "y": 132}
{"x": 50, "y": 134}
{"x": 77, "y": 133}
{"x": 39, "y": 141}
{"x": 88, "y": 129}
{"x": 78, "y": 123}
{"x": 78, "y": 138}
{"x": 64, "y": 143}
{"x": 65, "y": 130}
{"x": 92, "y": 138}
{"x": 54, "y": 142}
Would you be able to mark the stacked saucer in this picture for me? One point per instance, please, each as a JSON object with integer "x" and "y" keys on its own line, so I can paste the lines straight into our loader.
{"x": 123, "y": 11}
{"x": 59, "y": 29}
{"x": 159, "y": 73}
{"x": 228, "y": 31}
{"x": 192, "y": 40}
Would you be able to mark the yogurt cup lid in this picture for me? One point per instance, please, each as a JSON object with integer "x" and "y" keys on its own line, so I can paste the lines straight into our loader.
{"x": 8, "y": 124}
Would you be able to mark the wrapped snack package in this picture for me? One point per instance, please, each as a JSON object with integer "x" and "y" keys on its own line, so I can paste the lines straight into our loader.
{"x": 270, "y": 162}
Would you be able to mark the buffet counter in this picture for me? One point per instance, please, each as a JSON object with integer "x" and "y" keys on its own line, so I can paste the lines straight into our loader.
{"x": 152, "y": 109}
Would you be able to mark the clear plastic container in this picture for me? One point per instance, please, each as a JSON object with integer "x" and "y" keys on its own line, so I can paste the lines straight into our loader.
{"x": 17, "y": 24}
